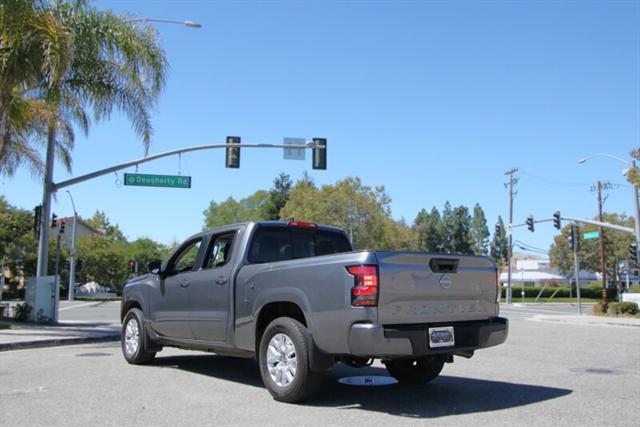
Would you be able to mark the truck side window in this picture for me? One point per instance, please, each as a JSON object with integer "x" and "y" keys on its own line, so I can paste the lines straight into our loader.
{"x": 186, "y": 259}
{"x": 270, "y": 245}
{"x": 219, "y": 251}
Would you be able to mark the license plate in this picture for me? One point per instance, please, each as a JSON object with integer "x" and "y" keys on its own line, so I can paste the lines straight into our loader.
{"x": 441, "y": 337}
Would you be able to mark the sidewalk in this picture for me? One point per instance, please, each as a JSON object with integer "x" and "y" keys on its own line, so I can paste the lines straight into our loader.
{"x": 18, "y": 335}
{"x": 587, "y": 319}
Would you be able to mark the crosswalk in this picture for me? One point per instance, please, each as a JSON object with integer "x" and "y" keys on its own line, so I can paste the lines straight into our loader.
{"x": 523, "y": 311}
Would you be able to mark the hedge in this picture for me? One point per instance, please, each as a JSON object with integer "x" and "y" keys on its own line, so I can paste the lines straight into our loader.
{"x": 532, "y": 292}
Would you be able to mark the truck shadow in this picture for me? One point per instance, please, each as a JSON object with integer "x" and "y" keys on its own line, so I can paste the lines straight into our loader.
{"x": 444, "y": 396}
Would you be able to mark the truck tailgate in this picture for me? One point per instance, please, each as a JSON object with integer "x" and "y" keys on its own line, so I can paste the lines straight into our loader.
{"x": 435, "y": 288}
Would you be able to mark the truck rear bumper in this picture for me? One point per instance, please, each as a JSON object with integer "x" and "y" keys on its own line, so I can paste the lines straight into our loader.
{"x": 372, "y": 340}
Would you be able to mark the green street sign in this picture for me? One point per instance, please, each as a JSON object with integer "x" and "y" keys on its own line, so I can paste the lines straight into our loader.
{"x": 591, "y": 235}
{"x": 145, "y": 180}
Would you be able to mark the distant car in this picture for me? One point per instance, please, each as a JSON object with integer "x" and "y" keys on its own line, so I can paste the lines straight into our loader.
{"x": 298, "y": 298}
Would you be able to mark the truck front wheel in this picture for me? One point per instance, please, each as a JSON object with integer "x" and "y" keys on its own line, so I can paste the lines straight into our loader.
{"x": 133, "y": 339}
{"x": 284, "y": 360}
{"x": 418, "y": 371}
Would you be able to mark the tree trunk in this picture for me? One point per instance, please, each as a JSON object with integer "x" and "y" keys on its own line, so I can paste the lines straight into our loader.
{"x": 5, "y": 100}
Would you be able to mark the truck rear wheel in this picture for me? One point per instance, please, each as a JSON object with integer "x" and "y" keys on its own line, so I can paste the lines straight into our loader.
{"x": 284, "y": 361}
{"x": 418, "y": 371}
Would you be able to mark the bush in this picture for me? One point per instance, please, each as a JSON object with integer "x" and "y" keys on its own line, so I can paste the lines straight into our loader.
{"x": 599, "y": 308}
{"x": 623, "y": 308}
{"x": 594, "y": 292}
{"x": 22, "y": 312}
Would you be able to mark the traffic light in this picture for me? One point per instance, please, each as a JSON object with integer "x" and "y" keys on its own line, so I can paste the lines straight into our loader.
{"x": 571, "y": 238}
{"x": 530, "y": 225}
{"x": 498, "y": 229}
{"x": 54, "y": 220}
{"x": 133, "y": 266}
{"x": 232, "y": 159}
{"x": 574, "y": 238}
{"x": 319, "y": 160}
{"x": 633, "y": 253}
{"x": 37, "y": 216}
{"x": 556, "y": 220}
{"x": 62, "y": 225}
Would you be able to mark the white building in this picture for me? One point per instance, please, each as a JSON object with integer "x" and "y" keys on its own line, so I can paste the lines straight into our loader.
{"x": 532, "y": 270}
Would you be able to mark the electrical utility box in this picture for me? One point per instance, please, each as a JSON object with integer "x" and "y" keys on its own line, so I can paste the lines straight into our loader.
{"x": 42, "y": 296}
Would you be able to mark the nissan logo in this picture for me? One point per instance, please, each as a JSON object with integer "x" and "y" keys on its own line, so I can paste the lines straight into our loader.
{"x": 445, "y": 281}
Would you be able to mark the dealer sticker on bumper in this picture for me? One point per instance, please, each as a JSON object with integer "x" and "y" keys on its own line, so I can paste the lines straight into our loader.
{"x": 441, "y": 337}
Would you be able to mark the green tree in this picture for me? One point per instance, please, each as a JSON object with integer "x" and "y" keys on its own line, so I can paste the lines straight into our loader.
{"x": 144, "y": 250}
{"x": 429, "y": 231}
{"x": 251, "y": 208}
{"x": 616, "y": 245}
{"x": 460, "y": 232}
{"x": 447, "y": 227}
{"x": 101, "y": 222}
{"x": 102, "y": 260}
{"x": 17, "y": 243}
{"x": 362, "y": 211}
{"x": 278, "y": 196}
{"x": 499, "y": 250}
{"x": 479, "y": 231}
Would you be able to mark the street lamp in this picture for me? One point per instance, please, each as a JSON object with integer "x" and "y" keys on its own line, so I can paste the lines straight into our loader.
{"x": 72, "y": 260}
{"x": 189, "y": 24}
{"x": 632, "y": 164}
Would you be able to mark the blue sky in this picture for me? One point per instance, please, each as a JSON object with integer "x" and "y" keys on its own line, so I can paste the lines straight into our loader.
{"x": 435, "y": 100}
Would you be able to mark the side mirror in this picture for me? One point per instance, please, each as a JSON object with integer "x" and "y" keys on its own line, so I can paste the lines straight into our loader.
{"x": 154, "y": 266}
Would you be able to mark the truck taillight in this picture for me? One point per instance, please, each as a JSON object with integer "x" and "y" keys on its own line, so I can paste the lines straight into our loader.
{"x": 497, "y": 286}
{"x": 365, "y": 288}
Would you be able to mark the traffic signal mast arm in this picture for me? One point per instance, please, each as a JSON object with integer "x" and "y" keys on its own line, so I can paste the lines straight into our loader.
{"x": 601, "y": 224}
{"x": 584, "y": 221}
{"x": 105, "y": 171}
{"x": 524, "y": 224}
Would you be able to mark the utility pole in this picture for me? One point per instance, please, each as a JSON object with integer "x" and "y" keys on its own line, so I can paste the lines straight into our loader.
{"x": 512, "y": 182}
{"x": 576, "y": 269}
{"x": 72, "y": 255}
{"x": 602, "y": 262}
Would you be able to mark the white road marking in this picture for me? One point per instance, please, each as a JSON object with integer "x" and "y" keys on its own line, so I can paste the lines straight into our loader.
{"x": 79, "y": 305}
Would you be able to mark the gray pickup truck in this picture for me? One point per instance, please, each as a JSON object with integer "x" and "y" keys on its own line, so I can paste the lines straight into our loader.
{"x": 299, "y": 299}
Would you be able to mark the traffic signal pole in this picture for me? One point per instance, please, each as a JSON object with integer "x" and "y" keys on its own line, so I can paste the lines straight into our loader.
{"x": 576, "y": 269}
{"x": 48, "y": 190}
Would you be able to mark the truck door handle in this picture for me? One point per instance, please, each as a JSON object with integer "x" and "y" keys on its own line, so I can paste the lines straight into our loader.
{"x": 221, "y": 281}
{"x": 184, "y": 283}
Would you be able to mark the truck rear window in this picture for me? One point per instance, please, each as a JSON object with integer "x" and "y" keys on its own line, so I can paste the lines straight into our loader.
{"x": 271, "y": 244}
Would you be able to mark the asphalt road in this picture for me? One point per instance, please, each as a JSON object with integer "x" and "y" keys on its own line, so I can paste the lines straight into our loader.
{"x": 546, "y": 374}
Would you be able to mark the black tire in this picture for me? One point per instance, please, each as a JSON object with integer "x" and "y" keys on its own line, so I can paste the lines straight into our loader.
{"x": 418, "y": 371}
{"x": 136, "y": 354}
{"x": 304, "y": 382}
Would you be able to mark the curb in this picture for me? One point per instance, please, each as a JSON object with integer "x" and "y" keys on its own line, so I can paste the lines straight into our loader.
{"x": 584, "y": 322}
{"x": 57, "y": 342}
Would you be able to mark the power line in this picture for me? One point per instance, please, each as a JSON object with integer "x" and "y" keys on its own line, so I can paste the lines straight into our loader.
{"x": 554, "y": 183}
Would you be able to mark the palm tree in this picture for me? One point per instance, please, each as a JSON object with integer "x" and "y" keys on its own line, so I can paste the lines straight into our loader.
{"x": 108, "y": 63}
{"x": 34, "y": 47}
